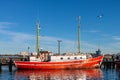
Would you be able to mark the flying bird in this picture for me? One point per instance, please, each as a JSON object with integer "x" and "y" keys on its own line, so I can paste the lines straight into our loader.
{"x": 100, "y": 16}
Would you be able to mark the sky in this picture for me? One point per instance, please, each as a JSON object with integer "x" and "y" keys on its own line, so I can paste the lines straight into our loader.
{"x": 99, "y": 25}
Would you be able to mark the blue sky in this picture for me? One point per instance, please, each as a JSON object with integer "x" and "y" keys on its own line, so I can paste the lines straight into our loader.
{"x": 58, "y": 21}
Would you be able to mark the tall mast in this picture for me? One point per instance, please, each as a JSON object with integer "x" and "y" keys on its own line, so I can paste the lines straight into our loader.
{"x": 79, "y": 35}
{"x": 38, "y": 38}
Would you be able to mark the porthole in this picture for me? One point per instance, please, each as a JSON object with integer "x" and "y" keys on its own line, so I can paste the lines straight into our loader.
{"x": 75, "y": 57}
{"x": 68, "y": 57}
{"x": 61, "y": 58}
{"x": 80, "y": 57}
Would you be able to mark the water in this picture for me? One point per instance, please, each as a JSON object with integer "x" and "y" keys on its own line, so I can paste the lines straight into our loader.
{"x": 83, "y": 74}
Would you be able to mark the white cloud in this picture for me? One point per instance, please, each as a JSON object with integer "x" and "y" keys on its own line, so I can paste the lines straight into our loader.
{"x": 20, "y": 41}
{"x": 13, "y": 42}
{"x": 116, "y": 37}
{"x": 4, "y": 25}
{"x": 51, "y": 43}
{"x": 88, "y": 47}
{"x": 17, "y": 41}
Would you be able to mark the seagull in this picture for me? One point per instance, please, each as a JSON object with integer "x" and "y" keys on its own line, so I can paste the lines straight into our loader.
{"x": 100, "y": 16}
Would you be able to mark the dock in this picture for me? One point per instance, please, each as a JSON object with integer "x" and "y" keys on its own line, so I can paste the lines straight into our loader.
{"x": 109, "y": 61}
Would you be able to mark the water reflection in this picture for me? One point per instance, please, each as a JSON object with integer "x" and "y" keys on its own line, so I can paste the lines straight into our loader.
{"x": 89, "y": 74}
{"x": 117, "y": 74}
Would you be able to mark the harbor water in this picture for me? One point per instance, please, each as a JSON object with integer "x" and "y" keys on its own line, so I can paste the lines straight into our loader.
{"x": 82, "y": 74}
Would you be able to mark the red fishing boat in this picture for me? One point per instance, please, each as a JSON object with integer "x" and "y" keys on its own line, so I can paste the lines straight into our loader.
{"x": 76, "y": 62}
{"x": 45, "y": 60}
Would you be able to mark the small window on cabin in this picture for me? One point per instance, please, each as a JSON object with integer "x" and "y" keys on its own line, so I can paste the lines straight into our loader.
{"x": 75, "y": 57}
{"x": 68, "y": 58}
{"x": 61, "y": 58}
{"x": 80, "y": 57}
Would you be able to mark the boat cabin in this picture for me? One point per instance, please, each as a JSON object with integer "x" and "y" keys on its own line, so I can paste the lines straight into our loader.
{"x": 45, "y": 56}
{"x": 67, "y": 57}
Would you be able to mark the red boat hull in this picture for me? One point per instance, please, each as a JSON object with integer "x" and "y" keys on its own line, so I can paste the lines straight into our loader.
{"x": 117, "y": 64}
{"x": 88, "y": 63}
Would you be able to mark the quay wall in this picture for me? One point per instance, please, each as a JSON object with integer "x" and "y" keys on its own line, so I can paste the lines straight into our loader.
{"x": 5, "y": 59}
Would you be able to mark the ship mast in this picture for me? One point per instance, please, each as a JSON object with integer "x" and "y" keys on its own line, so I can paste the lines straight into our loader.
{"x": 38, "y": 38}
{"x": 78, "y": 34}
